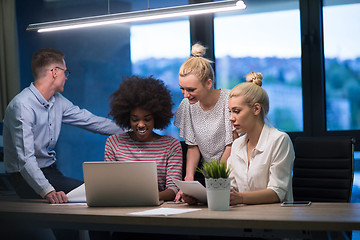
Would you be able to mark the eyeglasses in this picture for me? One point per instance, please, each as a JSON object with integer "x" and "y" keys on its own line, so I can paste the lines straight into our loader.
{"x": 66, "y": 71}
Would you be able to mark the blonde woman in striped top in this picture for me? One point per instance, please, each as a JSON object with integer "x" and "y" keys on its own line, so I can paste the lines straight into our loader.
{"x": 141, "y": 105}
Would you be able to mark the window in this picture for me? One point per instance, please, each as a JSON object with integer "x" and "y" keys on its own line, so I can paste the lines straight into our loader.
{"x": 159, "y": 49}
{"x": 342, "y": 65}
{"x": 266, "y": 42}
{"x": 342, "y": 71}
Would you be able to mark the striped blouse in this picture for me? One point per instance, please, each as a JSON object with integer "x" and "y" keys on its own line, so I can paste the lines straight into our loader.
{"x": 166, "y": 151}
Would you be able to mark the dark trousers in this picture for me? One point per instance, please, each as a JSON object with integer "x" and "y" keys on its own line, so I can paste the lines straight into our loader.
{"x": 55, "y": 177}
{"x": 59, "y": 182}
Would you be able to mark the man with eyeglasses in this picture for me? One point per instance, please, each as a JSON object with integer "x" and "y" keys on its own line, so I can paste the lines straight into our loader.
{"x": 31, "y": 129}
{"x": 32, "y": 126}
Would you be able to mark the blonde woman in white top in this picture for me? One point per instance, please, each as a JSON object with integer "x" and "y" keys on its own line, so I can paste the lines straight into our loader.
{"x": 262, "y": 158}
{"x": 203, "y": 115}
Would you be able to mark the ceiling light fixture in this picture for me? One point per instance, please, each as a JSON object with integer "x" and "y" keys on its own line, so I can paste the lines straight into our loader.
{"x": 152, "y": 14}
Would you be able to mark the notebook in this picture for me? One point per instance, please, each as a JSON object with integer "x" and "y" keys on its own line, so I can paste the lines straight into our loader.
{"x": 112, "y": 184}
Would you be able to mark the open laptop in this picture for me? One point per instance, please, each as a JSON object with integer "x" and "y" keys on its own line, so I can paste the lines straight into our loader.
{"x": 112, "y": 184}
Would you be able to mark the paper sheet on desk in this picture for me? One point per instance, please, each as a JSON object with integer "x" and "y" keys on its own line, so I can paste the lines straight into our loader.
{"x": 69, "y": 204}
{"x": 165, "y": 211}
{"x": 192, "y": 188}
{"x": 77, "y": 195}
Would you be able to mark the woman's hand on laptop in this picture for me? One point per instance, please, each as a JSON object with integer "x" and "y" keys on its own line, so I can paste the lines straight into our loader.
{"x": 56, "y": 197}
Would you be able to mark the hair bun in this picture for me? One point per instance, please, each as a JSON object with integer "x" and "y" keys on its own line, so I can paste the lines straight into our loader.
{"x": 255, "y": 77}
{"x": 197, "y": 50}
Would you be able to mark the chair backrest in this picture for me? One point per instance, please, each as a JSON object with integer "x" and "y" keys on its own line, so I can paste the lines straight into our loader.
{"x": 323, "y": 169}
{"x": 184, "y": 148}
{"x": 1, "y": 144}
{"x": 198, "y": 176}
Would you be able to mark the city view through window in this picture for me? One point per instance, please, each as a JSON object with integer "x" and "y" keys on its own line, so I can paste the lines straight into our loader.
{"x": 342, "y": 66}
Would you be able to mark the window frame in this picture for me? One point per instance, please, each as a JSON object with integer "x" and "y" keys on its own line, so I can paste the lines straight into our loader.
{"x": 313, "y": 73}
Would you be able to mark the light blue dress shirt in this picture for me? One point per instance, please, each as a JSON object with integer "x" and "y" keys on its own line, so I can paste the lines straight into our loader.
{"x": 31, "y": 129}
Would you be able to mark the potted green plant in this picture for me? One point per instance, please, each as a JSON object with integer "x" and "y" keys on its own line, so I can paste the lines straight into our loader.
{"x": 217, "y": 183}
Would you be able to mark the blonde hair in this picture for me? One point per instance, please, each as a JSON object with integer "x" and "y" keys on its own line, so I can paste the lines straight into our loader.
{"x": 197, "y": 65}
{"x": 253, "y": 92}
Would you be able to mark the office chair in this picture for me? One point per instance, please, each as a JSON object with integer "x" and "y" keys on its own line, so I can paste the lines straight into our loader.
{"x": 198, "y": 176}
{"x": 323, "y": 169}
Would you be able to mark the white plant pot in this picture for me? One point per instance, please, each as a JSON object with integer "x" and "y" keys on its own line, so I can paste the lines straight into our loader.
{"x": 218, "y": 193}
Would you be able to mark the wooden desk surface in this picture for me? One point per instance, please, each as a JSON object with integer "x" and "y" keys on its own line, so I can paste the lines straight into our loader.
{"x": 318, "y": 216}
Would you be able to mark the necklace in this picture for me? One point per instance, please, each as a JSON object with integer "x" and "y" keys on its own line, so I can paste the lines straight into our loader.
{"x": 134, "y": 142}
{"x": 139, "y": 149}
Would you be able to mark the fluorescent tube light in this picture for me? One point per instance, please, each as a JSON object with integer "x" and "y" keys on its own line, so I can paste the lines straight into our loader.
{"x": 153, "y": 14}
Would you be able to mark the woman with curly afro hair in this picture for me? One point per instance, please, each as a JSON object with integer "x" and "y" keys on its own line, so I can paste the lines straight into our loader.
{"x": 140, "y": 105}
